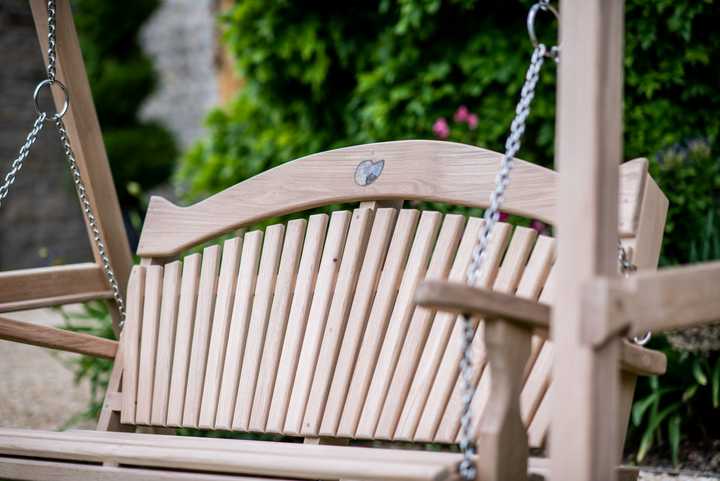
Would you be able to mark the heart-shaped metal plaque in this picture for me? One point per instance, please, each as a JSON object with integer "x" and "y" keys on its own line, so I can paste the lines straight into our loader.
{"x": 368, "y": 171}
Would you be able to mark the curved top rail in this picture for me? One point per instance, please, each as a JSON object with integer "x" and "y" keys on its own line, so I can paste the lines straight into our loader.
{"x": 410, "y": 170}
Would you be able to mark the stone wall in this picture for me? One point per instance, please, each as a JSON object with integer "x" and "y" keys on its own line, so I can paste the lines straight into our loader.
{"x": 40, "y": 221}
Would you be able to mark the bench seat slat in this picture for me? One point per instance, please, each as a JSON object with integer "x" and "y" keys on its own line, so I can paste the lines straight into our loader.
{"x": 440, "y": 393}
{"x": 367, "y": 284}
{"x": 166, "y": 341}
{"x": 237, "y": 332}
{"x": 220, "y": 323}
{"x": 390, "y": 277}
{"x": 297, "y": 320}
{"x": 148, "y": 342}
{"x": 324, "y": 288}
{"x": 183, "y": 338}
{"x": 287, "y": 275}
{"x": 267, "y": 277}
{"x": 420, "y": 323}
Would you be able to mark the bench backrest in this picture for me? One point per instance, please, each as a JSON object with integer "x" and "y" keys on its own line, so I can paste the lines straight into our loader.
{"x": 309, "y": 328}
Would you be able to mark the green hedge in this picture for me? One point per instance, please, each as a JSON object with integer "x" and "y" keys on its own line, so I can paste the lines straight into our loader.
{"x": 321, "y": 75}
{"x": 121, "y": 78}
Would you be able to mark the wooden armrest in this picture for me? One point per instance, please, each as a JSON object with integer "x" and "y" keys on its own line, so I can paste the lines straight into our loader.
{"x": 54, "y": 338}
{"x": 461, "y": 298}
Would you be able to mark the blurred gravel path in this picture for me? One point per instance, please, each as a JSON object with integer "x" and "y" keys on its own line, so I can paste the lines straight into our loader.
{"x": 36, "y": 387}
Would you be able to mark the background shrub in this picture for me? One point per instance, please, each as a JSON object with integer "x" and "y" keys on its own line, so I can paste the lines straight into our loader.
{"x": 141, "y": 153}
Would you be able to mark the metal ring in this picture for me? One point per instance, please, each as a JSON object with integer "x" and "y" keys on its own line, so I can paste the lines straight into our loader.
{"x": 49, "y": 83}
{"x": 545, "y": 6}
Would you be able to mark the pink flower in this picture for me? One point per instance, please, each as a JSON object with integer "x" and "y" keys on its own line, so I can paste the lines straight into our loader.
{"x": 538, "y": 225}
{"x": 440, "y": 128}
{"x": 461, "y": 115}
{"x": 472, "y": 121}
{"x": 503, "y": 217}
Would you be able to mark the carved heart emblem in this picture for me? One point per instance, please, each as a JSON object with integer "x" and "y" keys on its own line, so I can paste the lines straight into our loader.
{"x": 368, "y": 171}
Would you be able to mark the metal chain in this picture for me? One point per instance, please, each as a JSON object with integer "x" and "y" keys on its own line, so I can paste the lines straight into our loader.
{"x": 17, "y": 164}
{"x": 492, "y": 215}
{"x": 91, "y": 220}
{"x": 72, "y": 162}
{"x": 52, "y": 56}
{"x": 627, "y": 268}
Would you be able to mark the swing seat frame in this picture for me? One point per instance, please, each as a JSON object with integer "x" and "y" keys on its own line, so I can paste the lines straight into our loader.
{"x": 309, "y": 328}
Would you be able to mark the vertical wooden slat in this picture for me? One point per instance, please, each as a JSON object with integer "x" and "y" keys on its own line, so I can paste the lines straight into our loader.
{"x": 183, "y": 337}
{"x": 506, "y": 282}
{"x": 237, "y": 334}
{"x": 287, "y": 277}
{"x": 395, "y": 262}
{"x": 359, "y": 314}
{"x": 353, "y": 255}
{"x": 325, "y": 285}
{"x": 148, "y": 343}
{"x": 397, "y": 327}
{"x": 166, "y": 341}
{"x": 131, "y": 343}
{"x": 267, "y": 276}
{"x": 220, "y": 323}
{"x": 201, "y": 335}
{"x": 297, "y": 320}
{"x": 447, "y": 373}
{"x": 436, "y": 342}
{"x": 412, "y": 345}
{"x": 540, "y": 373}
{"x": 538, "y": 429}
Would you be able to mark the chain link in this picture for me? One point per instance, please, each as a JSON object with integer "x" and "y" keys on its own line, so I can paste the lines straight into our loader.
{"x": 17, "y": 164}
{"x": 90, "y": 216}
{"x": 72, "y": 162}
{"x": 492, "y": 214}
{"x": 52, "y": 56}
{"x": 627, "y": 268}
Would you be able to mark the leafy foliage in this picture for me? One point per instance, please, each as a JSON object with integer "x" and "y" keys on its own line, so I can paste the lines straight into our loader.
{"x": 321, "y": 75}
{"x": 121, "y": 77}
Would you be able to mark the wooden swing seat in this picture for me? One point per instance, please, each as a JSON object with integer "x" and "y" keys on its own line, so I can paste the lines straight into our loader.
{"x": 309, "y": 328}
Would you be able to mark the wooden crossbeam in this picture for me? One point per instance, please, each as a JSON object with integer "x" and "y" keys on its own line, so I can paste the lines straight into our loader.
{"x": 672, "y": 298}
{"x": 54, "y": 338}
{"x": 51, "y": 286}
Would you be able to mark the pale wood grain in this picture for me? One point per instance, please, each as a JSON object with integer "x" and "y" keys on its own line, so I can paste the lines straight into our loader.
{"x": 353, "y": 256}
{"x": 206, "y": 293}
{"x": 380, "y": 312}
{"x": 415, "y": 270}
{"x": 413, "y": 170}
{"x": 368, "y": 280}
{"x": 418, "y": 329}
{"x": 54, "y": 338}
{"x": 183, "y": 337}
{"x": 444, "y": 390}
{"x": 166, "y": 341}
{"x": 131, "y": 343}
{"x": 224, "y": 302}
{"x": 49, "y": 286}
{"x": 287, "y": 277}
{"x": 436, "y": 343}
{"x": 297, "y": 321}
{"x": 148, "y": 342}
{"x": 237, "y": 333}
{"x": 262, "y": 302}
{"x": 588, "y": 152}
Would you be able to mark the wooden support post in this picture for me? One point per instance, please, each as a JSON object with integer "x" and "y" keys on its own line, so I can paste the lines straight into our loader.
{"x": 502, "y": 441}
{"x": 86, "y": 138}
{"x": 584, "y": 437}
